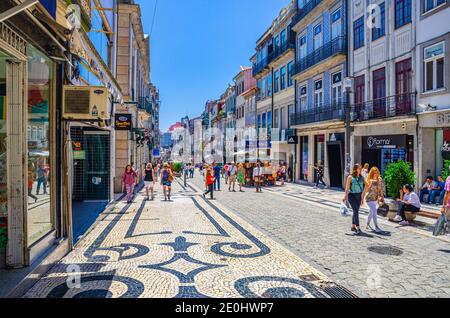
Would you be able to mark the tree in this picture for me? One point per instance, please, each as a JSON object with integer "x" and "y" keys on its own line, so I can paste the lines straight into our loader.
{"x": 396, "y": 176}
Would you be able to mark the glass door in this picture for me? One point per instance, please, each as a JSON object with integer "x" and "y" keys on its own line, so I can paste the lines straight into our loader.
{"x": 3, "y": 162}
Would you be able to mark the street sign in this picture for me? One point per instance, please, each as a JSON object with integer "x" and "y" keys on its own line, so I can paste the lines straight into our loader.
{"x": 292, "y": 140}
{"x": 122, "y": 122}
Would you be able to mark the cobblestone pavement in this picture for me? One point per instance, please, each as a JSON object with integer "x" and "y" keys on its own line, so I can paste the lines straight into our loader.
{"x": 402, "y": 262}
{"x": 189, "y": 247}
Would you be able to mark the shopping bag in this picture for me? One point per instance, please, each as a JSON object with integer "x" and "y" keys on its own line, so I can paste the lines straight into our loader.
{"x": 344, "y": 210}
{"x": 441, "y": 226}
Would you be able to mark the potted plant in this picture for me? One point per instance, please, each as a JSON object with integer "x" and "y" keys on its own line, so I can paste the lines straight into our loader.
{"x": 177, "y": 167}
{"x": 395, "y": 177}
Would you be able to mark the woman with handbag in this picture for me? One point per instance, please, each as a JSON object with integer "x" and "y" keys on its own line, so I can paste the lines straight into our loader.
{"x": 373, "y": 194}
{"x": 353, "y": 195}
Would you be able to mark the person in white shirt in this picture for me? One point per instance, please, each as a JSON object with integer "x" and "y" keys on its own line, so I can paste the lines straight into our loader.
{"x": 409, "y": 202}
{"x": 257, "y": 176}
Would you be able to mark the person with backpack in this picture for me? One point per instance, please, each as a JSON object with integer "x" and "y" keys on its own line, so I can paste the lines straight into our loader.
{"x": 130, "y": 180}
{"x": 166, "y": 181}
{"x": 209, "y": 182}
{"x": 354, "y": 190}
{"x": 149, "y": 180}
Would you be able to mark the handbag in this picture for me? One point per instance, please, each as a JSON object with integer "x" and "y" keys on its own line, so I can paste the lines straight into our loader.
{"x": 441, "y": 226}
{"x": 170, "y": 178}
{"x": 383, "y": 210}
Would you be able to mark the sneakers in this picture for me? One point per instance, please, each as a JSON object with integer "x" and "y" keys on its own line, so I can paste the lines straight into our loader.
{"x": 398, "y": 218}
{"x": 404, "y": 223}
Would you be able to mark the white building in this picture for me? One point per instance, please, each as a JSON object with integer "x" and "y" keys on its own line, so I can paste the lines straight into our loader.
{"x": 433, "y": 85}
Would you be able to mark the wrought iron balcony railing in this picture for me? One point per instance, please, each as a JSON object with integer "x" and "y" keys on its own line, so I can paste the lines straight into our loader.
{"x": 319, "y": 114}
{"x": 398, "y": 105}
{"x": 303, "y": 12}
{"x": 280, "y": 50}
{"x": 261, "y": 66}
{"x": 336, "y": 46}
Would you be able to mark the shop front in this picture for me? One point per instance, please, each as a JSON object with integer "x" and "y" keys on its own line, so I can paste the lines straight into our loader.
{"x": 434, "y": 143}
{"x": 381, "y": 143}
{"x": 321, "y": 147}
{"x": 28, "y": 208}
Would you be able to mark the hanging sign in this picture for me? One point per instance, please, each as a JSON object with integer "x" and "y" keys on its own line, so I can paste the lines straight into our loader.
{"x": 122, "y": 122}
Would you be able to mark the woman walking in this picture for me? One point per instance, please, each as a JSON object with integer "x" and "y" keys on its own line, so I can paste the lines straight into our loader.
{"x": 209, "y": 182}
{"x": 373, "y": 194}
{"x": 166, "y": 181}
{"x": 149, "y": 180}
{"x": 365, "y": 171}
{"x": 354, "y": 195}
{"x": 129, "y": 180}
{"x": 241, "y": 176}
{"x": 320, "y": 174}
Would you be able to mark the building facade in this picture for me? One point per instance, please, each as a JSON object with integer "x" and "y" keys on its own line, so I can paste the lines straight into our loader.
{"x": 382, "y": 64}
{"x": 432, "y": 81}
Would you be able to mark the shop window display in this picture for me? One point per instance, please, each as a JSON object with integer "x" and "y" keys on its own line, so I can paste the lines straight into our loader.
{"x": 38, "y": 181}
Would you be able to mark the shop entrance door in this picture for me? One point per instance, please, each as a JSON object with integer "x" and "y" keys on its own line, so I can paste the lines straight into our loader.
{"x": 336, "y": 163}
{"x": 97, "y": 164}
{"x": 372, "y": 157}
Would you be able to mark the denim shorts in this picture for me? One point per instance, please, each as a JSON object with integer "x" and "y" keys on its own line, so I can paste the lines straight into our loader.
{"x": 166, "y": 183}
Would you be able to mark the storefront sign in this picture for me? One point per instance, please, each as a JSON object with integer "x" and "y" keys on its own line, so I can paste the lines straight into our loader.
{"x": 123, "y": 122}
{"x": 443, "y": 119}
{"x": 385, "y": 142}
{"x": 292, "y": 140}
{"x": 446, "y": 150}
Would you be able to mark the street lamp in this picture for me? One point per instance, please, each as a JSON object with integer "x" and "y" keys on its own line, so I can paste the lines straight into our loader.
{"x": 348, "y": 87}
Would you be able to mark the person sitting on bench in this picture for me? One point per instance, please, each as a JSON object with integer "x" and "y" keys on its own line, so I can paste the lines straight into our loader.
{"x": 409, "y": 202}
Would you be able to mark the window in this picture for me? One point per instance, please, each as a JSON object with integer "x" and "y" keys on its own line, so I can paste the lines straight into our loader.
{"x": 318, "y": 94}
{"x": 283, "y": 38}
{"x": 431, "y": 4}
{"x": 360, "y": 83}
{"x": 381, "y": 31}
{"x": 290, "y": 73}
{"x": 379, "y": 92}
{"x": 318, "y": 38}
{"x": 358, "y": 37}
{"x": 283, "y": 78}
{"x": 303, "y": 99}
{"x": 282, "y": 118}
{"x": 263, "y": 118}
{"x": 276, "y": 79}
{"x": 303, "y": 49}
{"x": 336, "y": 26}
{"x": 337, "y": 89}
{"x": 269, "y": 85}
{"x": 259, "y": 121}
{"x": 402, "y": 13}
{"x": 277, "y": 42}
{"x": 434, "y": 58}
{"x": 291, "y": 113}
{"x": 403, "y": 77}
{"x": 276, "y": 119}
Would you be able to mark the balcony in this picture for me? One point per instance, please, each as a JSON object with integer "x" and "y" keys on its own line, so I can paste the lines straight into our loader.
{"x": 281, "y": 50}
{"x": 337, "y": 46}
{"x": 261, "y": 66}
{"x": 316, "y": 115}
{"x": 398, "y": 105}
{"x": 144, "y": 104}
{"x": 303, "y": 12}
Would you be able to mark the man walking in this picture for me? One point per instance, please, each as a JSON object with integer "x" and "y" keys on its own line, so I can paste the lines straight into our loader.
{"x": 257, "y": 174}
{"x": 217, "y": 176}
{"x": 233, "y": 174}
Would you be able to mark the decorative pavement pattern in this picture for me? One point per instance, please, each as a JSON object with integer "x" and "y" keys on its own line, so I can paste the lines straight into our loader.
{"x": 187, "y": 248}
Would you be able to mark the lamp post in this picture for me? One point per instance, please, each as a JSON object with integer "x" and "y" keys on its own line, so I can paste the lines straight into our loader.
{"x": 348, "y": 86}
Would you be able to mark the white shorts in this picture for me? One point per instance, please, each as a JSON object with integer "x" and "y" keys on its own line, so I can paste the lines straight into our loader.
{"x": 148, "y": 184}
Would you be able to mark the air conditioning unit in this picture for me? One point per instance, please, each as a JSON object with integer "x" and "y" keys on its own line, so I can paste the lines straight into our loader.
{"x": 85, "y": 103}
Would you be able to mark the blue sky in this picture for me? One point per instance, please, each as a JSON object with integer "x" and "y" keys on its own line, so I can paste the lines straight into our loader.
{"x": 197, "y": 47}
